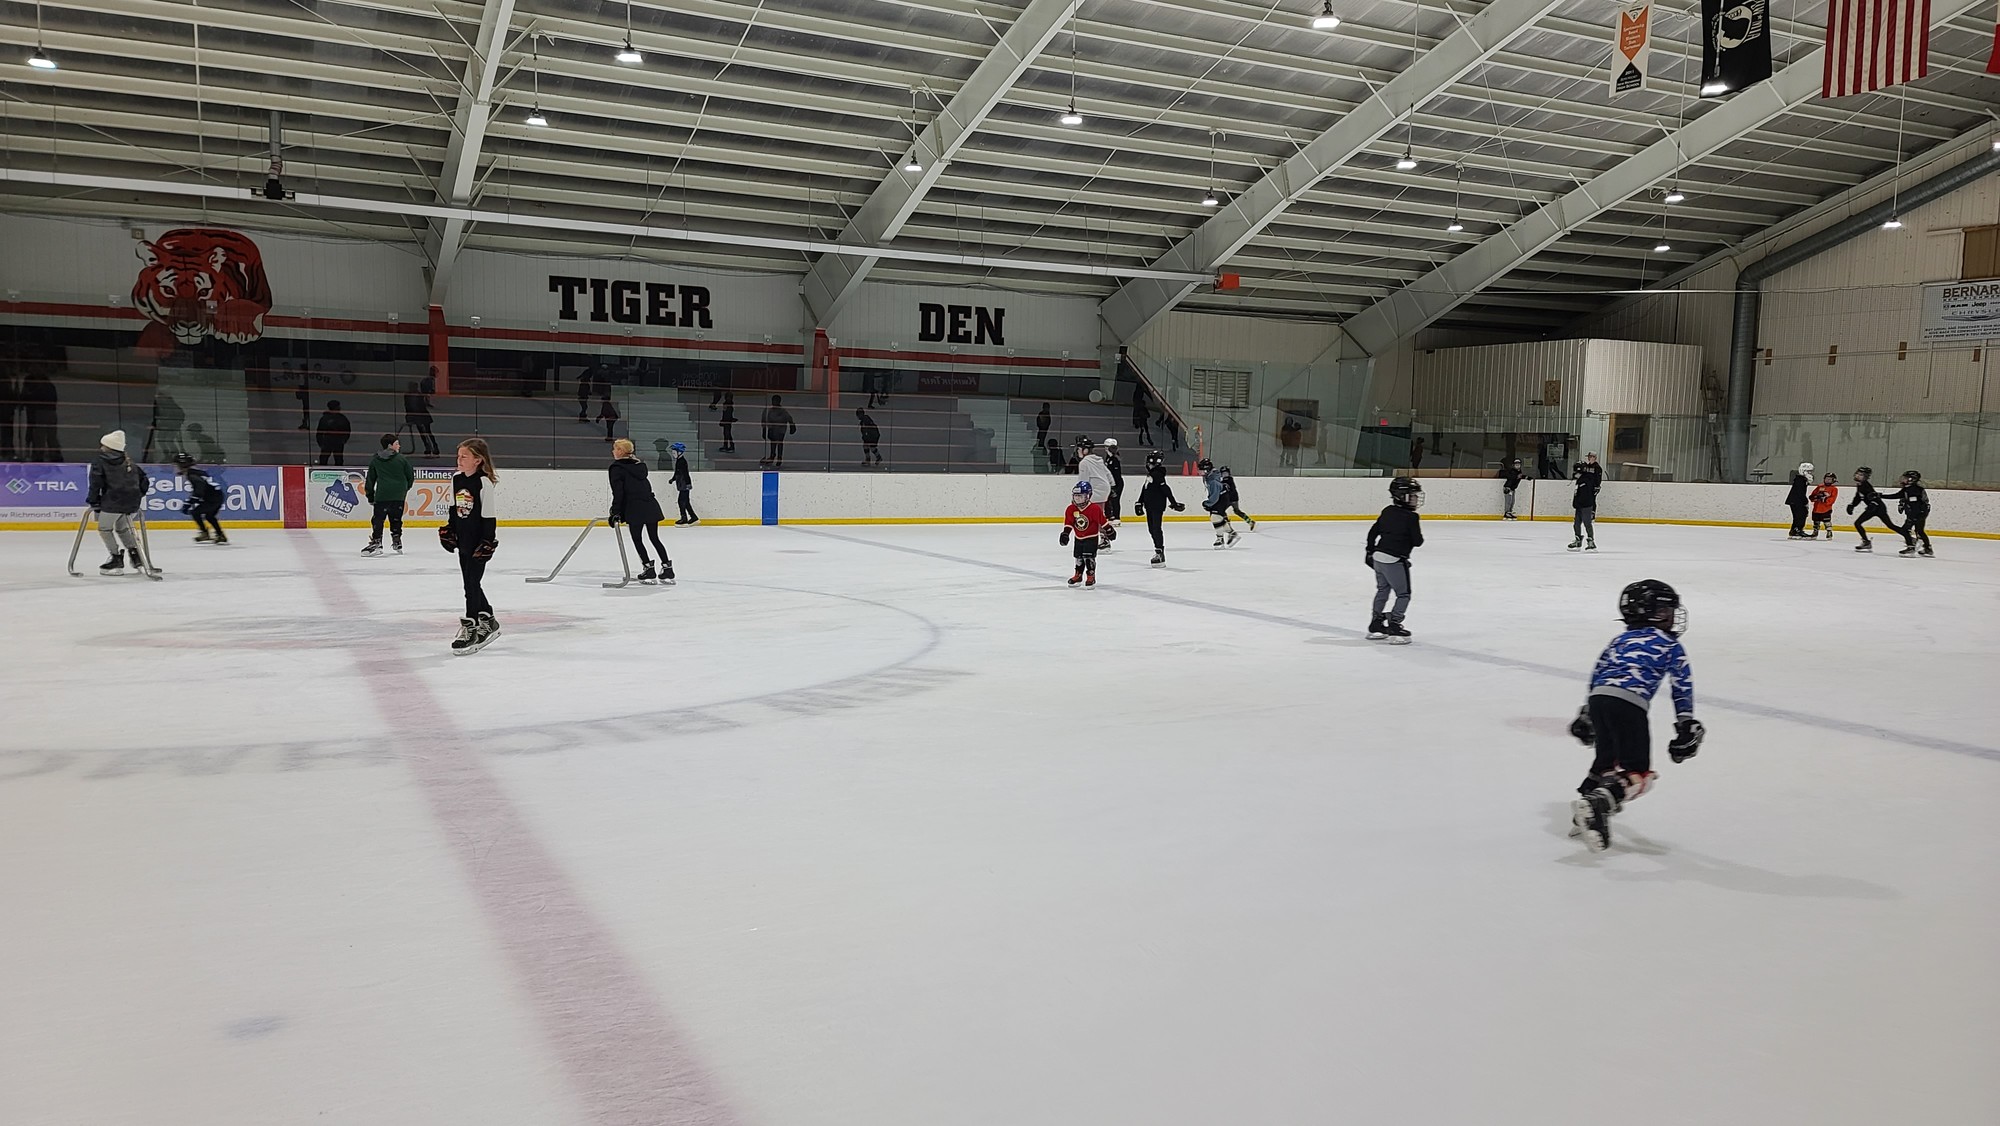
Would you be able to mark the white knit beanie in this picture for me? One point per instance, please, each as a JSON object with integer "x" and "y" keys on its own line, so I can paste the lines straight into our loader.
{"x": 113, "y": 441}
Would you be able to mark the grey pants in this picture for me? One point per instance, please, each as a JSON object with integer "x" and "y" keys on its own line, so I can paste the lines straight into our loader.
{"x": 1509, "y": 494}
{"x": 1585, "y": 523}
{"x": 1392, "y": 575}
{"x": 117, "y": 526}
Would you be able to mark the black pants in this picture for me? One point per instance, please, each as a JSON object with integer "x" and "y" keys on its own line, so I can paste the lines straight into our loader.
{"x": 1798, "y": 517}
{"x": 1624, "y": 741}
{"x": 421, "y": 427}
{"x": 1153, "y": 519}
{"x": 774, "y": 442}
{"x": 1913, "y": 529}
{"x": 1113, "y": 504}
{"x": 651, "y": 528}
{"x": 331, "y": 455}
{"x": 1822, "y": 518}
{"x": 204, "y": 519}
{"x": 473, "y": 571}
{"x": 1145, "y": 430}
{"x": 728, "y": 437}
{"x": 687, "y": 510}
{"x": 1877, "y": 512}
{"x": 1086, "y": 553}
{"x": 393, "y": 513}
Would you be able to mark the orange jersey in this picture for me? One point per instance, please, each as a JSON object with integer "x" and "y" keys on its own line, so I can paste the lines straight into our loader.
{"x": 1823, "y": 497}
{"x": 1085, "y": 522}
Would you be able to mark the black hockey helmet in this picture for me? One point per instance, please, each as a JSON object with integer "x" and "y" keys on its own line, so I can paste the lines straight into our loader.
{"x": 1154, "y": 460}
{"x": 1204, "y": 465}
{"x": 1406, "y": 492}
{"x": 1084, "y": 443}
{"x": 1650, "y": 602}
{"x": 1829, "y": 477}
{"x": 185, "y": 461}
{"x": 1911, "y": 476}
{"x": 1864, "y": 472}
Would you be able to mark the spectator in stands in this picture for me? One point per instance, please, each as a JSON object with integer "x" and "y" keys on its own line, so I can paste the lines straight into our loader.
{"x": 417, "y": 412}
{"x": 606, "y": 412}
{"x": 1055, "y": 455}
{"x": 586, "y": 382}
{"x": 10, "y": 405}
{"x": 728, "y": 422}
{"x": 206, "y": 449}
{"x": 304, "y": 396}
{"x": 1042, "y": 421}
{"x": 1173, "y": 428}
{"x": 38, "y": 410}
{"x": 871, "y": 438}
{"x": 1141, "y": 413}
{"x": 332, "y": 432}
{"x": 1288, "y": 441}
{"x": 1417, "y": 453}
{"x": 777, "y": 424}
{"x": 169, "y": 420}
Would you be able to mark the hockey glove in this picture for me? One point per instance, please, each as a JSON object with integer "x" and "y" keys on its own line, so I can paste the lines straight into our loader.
{"x": 614, "y": 520}
{"x": 1368, "y": 560}
{"x": 446, "y": 539}
{"x": 486, "y": 550}
{"x": 1688, "y": 734}
{"x": 1063, "y": 539}
{"x": 1582, "y": 728}
{"x": 1179, "y": 507}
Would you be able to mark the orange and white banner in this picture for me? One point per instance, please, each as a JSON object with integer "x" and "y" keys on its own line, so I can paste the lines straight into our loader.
{"x": 1631, "y": 56}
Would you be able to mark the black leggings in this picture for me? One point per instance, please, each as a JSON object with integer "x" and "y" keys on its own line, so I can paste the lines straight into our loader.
{"x": 1913, "y": 528}
{"x": 651, "y": 528}
{"x": 1877, "y": 512}
{"x": 205, "y": 521}
{"x": 1114, "y": 502}
{"x": 473, "y": 571}
{"x": 1153, "y": 518}
{"x": 1798, "y": 518}
{"x": 1624, "y": 742}
{"x": 687, "y": 510}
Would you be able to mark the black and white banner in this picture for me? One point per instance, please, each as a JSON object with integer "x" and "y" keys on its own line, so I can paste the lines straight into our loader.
{"x": 1735, "y": 45}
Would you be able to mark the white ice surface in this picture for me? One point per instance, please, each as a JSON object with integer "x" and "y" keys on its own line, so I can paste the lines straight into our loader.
{"x": 901, "y": 832}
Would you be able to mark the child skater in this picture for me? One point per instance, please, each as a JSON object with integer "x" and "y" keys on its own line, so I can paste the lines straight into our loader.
{"x": 1233, "y": 502}
{"x": 633, "y": 505}
{"x": 204, "y": 501}
{"x": 1154, "y": 499}
{"x": 1085, "y": 518}
{"x": 1873, "y": 507}
{"x": 472, "y": 531}
{"x": 1822, "y": 505}
{"x": 682, "y": 484}
{"x": 1589, "y": 477}
{"x": 1396, "y": 533}
{"x": 1613, "y": 717}
{"x": 1797, "y": 500}
{"x": 1217, "y": 504}
{"x": 1915, "y": 503}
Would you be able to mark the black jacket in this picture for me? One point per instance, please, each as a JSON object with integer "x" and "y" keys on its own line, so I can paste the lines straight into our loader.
{"x": 1589, "y": 479}
{"x": 1914, "y": 500}
{"x": 117, "y": 484}
{"x": 333, "y": 430}
{"x": 632, "y": 499}
{"x": 1117, "y": 469}
{"x": 1398, "y": 531}
{"x": 1157, "y": 496}
{"x": 1801, "y": 485}
{"x": 870, "y": 433}
{"x": 680, "y": 477}
{"x": 202, "y": 489}
{"x": 1512, "y": 476}
{"x": 1866, "y": 496}
{"x": 776, "y": 419}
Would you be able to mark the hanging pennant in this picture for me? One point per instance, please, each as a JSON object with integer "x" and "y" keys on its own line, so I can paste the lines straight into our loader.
{"x": 1735, "y": 45}
{"x": 1631, "y": 56}
{"x": 1993, "y": 60}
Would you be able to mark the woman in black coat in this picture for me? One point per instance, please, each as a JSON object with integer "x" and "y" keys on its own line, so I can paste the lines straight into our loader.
{"x": 633, "y": 505}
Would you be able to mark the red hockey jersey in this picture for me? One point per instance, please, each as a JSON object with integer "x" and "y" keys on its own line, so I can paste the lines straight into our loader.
{"x": 1084, "y": 523}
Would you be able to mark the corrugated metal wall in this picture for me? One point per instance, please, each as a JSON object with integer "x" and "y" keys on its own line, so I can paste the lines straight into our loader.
{"x": 1501, "y": 379}
{"x": 1208, "y": 336}
{"x": 1640, "y": 377}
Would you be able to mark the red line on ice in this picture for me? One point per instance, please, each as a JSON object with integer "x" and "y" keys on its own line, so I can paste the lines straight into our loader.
{"x": 624, "y": 1058}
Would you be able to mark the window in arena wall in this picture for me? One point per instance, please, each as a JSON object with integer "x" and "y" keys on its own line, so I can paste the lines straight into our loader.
{"x": 1219, "y": 388}
{"x": 1628, "y": 434}
{"x": 1981, "y": 254}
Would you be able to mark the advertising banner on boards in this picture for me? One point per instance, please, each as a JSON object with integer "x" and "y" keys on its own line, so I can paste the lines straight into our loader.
{"x": 42, "y": 493}
{"x": 333, "y": 497}
{"x": 1967, "y": 311}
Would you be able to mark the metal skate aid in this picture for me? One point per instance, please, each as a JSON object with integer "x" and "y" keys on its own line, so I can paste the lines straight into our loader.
{"x": 624, "y": 563}
{"x": 585, "y": 534}
{"x": 76, "y": 546}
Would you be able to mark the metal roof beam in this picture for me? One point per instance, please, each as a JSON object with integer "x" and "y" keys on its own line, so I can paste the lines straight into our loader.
{"x": 834, "y": 279}
{"x": 468, "y": 137}
{"x": 1135, "y": 306}
{"x": 1408, "y": 311}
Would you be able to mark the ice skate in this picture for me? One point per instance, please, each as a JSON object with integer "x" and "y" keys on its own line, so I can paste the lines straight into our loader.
{"x": 1864, "y": 545}
{"x": 1090, "y": 579}
{"x": 115, "y": 565}
{"x": 1926, "y": 552}
{"x": 1076, "y": 579}
{"x": 1376, "y": 631}
{"x": 484, "y": 630}
{"x": 467, "y": 629}
{"x": 1159, "y": 558}
{"x": 204, "y": 537}
{"x": 1251, "y": 523}
{"x": 222, "y": 538}
{"x": 1394, "y": 628}
{"x": 1576, "y": 544}
{"x": 1590, "y": 545}
{"x": 648, "y": 576}
{"x": 396, "y": 547}
{"x": 374, "y": 548}
{"x": 666, "y": 573}
{"x": 1590, "y": 818}
{"x": 1233, "y": 537}
{"x": 1218, "y": 539}
{"x": 1908, "y": 552}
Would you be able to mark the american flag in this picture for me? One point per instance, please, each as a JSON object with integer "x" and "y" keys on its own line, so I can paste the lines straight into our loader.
{"x": 1875, "y": 43}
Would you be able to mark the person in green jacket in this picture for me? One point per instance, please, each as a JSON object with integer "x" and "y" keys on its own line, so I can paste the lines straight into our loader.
{"x": 387, "y": 484}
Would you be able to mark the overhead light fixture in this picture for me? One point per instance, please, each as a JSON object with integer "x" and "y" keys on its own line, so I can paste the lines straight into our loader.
{"x": 1326, "y": 20}
{"x": 629, "y": 54}
{"x": 1209, "y": 198}
{"x": 1661, "y": 248}
{"x": 535, "y": 117}
{"x": 1406, "y": 162}
{"x": 40, "y": 60}
{"x": 1454, "y": 226}
{"x": 1894, "y": 224}
{"x": 1071, "y": 117}
{"x": 535, "y": 114}
{"x": 1457, "y": 186}
{"x": 1711, "y": 89}
{"x": 913, "y": 164}
{"x": 1674, "y": 195}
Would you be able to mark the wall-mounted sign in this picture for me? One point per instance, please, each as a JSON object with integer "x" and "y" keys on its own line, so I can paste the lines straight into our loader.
{"x": 1961, "y": 311}
{"x": 961, "y": 324}
{"x": 619, "y": 301}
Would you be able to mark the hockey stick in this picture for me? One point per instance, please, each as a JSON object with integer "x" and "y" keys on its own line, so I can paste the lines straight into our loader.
{"x": 551, "y": 576}
{"x": 624, "y": 564}
{"x": 82, "y": 526}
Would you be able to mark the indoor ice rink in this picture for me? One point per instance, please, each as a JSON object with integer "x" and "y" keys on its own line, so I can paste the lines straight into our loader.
{"x": 364, "y": 761}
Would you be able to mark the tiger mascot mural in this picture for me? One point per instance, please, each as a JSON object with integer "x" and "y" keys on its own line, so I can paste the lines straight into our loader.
{"x": 200, "y": 282}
